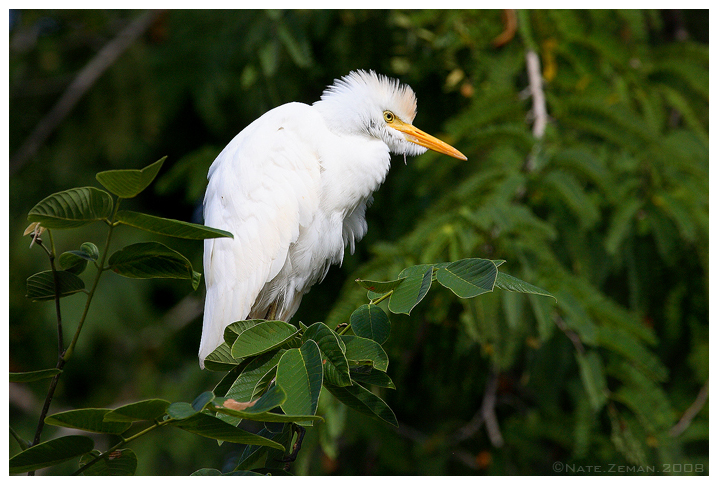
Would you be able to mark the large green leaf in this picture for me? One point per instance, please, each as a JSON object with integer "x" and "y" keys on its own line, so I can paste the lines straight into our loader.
{"x": 152, "y": 260}
{"x": 32, "y": 376}
{"x": 121, "y": 462}
{"x": 147, "y": 410}
{"x": 41, "y": 286}
{"x": 416, "y": 283}
{"x": 211, "y": 427}
{"x": 300, "y": 374}
{"x": 363, "y": 401}
{"x": 169, "y": 227}
{"x": 370, "y": 321}
{"x": 50, "y": 453}
{"x": 511, "y": 283}
{"x": 129, "y": 183}
{"x": 336, "y": 367}
{"x": 469, "y": 277}
{"x": 363, "y": 351}
{"x": 72, "y": 208}
{"x": 260, "y": 338}
{"x": 88, "y": 420}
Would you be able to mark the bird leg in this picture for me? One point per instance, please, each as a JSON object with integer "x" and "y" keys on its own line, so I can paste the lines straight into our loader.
{"x": 271, "y": 311}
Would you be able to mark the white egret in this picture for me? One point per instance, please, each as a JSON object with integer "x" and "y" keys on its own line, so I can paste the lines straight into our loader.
{"x": 292, "y": 188}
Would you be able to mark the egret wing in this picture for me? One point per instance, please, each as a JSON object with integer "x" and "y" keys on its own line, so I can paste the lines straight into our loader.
{"x": 262, "y": 188}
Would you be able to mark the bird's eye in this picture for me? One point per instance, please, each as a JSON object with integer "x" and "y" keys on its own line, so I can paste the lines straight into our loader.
{"x": 388, "y": 116}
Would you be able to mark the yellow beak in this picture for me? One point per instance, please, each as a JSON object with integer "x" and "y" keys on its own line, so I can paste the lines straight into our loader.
{"x": 415, "y": 135}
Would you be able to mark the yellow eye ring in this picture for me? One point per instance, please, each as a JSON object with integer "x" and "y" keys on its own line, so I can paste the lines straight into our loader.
{"x": 388, "y": 116}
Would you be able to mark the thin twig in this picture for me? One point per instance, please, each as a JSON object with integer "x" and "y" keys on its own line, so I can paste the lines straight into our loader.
{"x": 691, "y": 412}
{"x": 122, "y": 442}
{"x": 572, "y": 336}
{"x": 60, "y": 345}
{"x": 533, "y": 69}
{"x": 488, "y": 411}
{"x": 79, "y": 86}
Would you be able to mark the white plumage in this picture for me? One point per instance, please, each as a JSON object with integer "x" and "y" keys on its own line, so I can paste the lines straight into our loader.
{"x": 292, "y": 188}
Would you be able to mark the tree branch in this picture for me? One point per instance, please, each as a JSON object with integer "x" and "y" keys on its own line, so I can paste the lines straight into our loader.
{"x": 533, "y": 69}
{"x": 691, "y": 412}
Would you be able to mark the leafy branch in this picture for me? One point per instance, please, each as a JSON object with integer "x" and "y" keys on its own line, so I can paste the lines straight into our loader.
{"x": 275, "y": 371}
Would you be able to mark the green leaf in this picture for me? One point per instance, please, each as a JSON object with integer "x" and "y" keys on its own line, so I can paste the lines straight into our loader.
{"x": 221, "y": 359}
{"x": 274, "y": 397}
{"x": 511, "y": 283}
{"x": 593, "y": 377}
{"x": 262, "y": 337}
{"x": 336, "y": 367}
{"x": 169, "y": 227}
{"x": 211, "y": 427}
{"x": 121, "y": 462}
{"x": 202, "y": 401}
{"x": 245, "y": 387}
{"x": 181, "y": 411}
{"x": 129, "y": 183}
{"x": 370, "y": 321}
{"x": 32, "y": 376}
{"x": 232, "y": 330}
{"x": 147, "y": 410}
{"x": 90, "y": 251}
{"x": 206, "y": 472}
{"x": 152, "y": 260}
{"x": 417, "y": 281}
{"x": 469, "y": 277}
{"x": 300, "y": 374}
{"x": 73, "y": 262}
{"x": 380, "y": 286}
{"x": 41, "y": 286}
{"x": 72, "y": 208}
{"x": 374, "y": 378}
{"x": 363, "y": 401}
{"x": 250, "y": 380}
{"x": 259, "y": 411}
{"x": 363, "y": 351}
{"x": 50, "y": 453}
{"x": 88, "y": 420}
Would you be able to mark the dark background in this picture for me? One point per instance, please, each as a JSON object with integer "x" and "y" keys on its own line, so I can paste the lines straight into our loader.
{"x": 608, "y": 210}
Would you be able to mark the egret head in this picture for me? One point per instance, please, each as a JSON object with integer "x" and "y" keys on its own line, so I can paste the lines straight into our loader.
{"x": 369, "y": 103}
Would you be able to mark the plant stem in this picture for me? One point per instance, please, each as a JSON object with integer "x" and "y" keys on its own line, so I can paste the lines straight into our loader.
{"x": 123, "y": 441}
{"x": 56, "y": 278}
{"x": 60, "y": 345}
{"x": 381, "y": 298}
{"x": 100, "y": 269}
{"x": 64, "y": 355}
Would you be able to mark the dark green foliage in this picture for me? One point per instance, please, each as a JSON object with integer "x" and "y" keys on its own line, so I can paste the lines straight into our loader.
{"x": 608, "y": 211}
